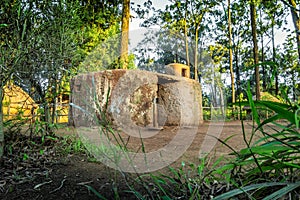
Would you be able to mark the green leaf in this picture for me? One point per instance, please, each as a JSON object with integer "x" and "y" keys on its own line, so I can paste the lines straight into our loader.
{"x": 158, "y": 180}
{"x": 136, "y": 193}
{"x": 245, "y": 189}
{"x": 280, "y": 193}
{"x": 292, "y": 165}
{"x": 297, "y": 118}
{"x": 166, "y": 198}
{"x": 172, "y": 180}
{"x": 266, "y": 148}
{"x": 279, "y": 109}
{"x": 224, "y": 168}
{"x": 175, "y": 173}
{"x": 269, "y": 120}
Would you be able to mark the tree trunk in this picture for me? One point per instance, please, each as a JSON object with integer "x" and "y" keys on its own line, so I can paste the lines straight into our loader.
{"x": 294, "y": 88}
{"x": 222, "y": 106}
{"x": 186, "y": 38}
{"x": 296, "y": 21}
{"x": 237, "y": 72}
{"x": 230, "y": 54}
{"x": 47, "y": 112}
{"x": 196, "y": 55}
{"x": 125, "y": 34}
{"x": 274, "y": 58}
{"x": 264, "y": 75}
{"x": 255, "y": 48}
{"x": 237, "y": 68}
{"x": 54, "y": 101}
{"x": 1, "y": 126}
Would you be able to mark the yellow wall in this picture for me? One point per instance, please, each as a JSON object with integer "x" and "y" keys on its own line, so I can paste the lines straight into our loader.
{"x": 17, "y": 102}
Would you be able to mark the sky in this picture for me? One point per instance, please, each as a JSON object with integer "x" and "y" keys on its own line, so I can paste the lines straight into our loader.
{"x": 156, "y": 3}
{"x": 135, "y": 22}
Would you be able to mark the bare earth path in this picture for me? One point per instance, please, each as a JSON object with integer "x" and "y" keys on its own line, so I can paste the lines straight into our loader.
{"x": 65, "y": 179}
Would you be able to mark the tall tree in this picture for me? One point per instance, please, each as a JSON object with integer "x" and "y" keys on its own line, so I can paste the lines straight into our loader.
{"x": 255, "y": 47}
{"x": 235, "y": 37}
{"x": 186, "y": 39}
{"x": 273, "y": 16}
{"x": 230, "y": 53}
{"x": 296, "y": 20}
{"x": 237, "y": 27}
{"x": 290, "y": 68}
{"x": 198, "y": 11}
{"x": 125, "y": 34}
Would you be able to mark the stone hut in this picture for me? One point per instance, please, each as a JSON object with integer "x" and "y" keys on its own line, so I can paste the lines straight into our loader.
{"x": 134, "y": 98}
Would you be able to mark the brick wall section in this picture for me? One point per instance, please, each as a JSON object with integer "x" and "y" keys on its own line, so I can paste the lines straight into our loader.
{"x": 125, "y": 97}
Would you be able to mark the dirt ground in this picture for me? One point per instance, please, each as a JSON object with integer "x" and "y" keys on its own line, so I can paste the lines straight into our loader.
{"x": 69, "y": 176}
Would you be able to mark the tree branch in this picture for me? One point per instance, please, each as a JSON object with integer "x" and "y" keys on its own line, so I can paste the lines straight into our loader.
{"x": 290, "y": 6}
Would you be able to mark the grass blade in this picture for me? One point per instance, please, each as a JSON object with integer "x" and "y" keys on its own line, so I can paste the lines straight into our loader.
{"x": 279, "y": 109}
{"x": 242, "y": 190}
{"x": 269, "y": 120}
{"x": 283, "y": 191}
{"x": 252, "y": 106}
{"x": 95, "y": 192}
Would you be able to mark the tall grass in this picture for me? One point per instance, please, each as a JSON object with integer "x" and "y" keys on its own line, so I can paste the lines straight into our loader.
{"x": 269, "y": 167}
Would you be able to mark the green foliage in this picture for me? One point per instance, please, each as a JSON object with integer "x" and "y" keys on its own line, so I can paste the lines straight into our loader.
{"x": 37, "y": 50}
{"x": 71, "y": 145}
{"x": 267, "y": 168}
{"x": 43, "y": 128}
{"x": 104, "y": 52}
{"x": 231, "y": 113}
{"x": 273, "y": 159}
{"x": 99, "y": 35}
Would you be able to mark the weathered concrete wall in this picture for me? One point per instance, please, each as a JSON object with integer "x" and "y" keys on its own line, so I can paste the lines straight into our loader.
{"x": 181, "y": 99}
{"x": 131, "y": 97}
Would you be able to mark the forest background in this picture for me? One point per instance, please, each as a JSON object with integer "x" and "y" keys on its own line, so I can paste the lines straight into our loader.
{"x": 43, "y": 44}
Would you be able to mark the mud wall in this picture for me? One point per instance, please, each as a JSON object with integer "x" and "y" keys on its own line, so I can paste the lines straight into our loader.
{"x": 134, "y": 98}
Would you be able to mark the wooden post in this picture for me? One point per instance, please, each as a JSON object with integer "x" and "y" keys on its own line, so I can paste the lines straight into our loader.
{"x": 155, "y": 117}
